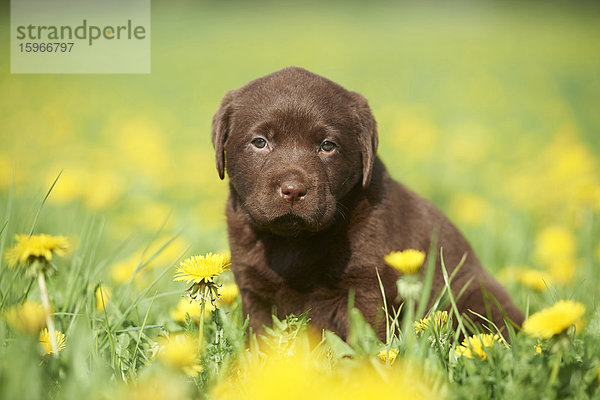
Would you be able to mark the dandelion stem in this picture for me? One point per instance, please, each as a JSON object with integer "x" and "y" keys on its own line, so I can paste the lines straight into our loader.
{"x": 555, "y": 368}
{"x": 408, "y": 320}
{"x": 49, "y": 320}
{"x": 201, "y": 323}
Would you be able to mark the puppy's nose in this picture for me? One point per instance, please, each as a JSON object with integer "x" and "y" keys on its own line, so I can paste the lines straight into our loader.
{"x": 292, "y": 191}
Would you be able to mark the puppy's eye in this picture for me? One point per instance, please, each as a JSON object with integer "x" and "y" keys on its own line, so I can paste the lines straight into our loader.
{"x": 327, "y": 146}
{"x": 259, "y": 143}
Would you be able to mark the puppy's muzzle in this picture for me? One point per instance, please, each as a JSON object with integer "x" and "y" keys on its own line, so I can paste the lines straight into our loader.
{"x": 292, "y": 191}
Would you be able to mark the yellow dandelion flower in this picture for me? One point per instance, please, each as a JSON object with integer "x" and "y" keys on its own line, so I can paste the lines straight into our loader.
{"x": 29, "y": 317}
{"x": 538, "y": 348}
{"x": 190, "y": 307}
{"x": 554, "y": 243}
{"x": 563, "y": 271}
{"x": 440, "y": 318}
{"x": 155, "y": 386}
{"x": 556, "y": 250}
{"x": 103, "y": 296}
{"x": 185, "y": 306}
{"x": 228, "y": 293}
{"x": 526, "y": 276}
{"x": 45, "y": 340}
{"x": 476, "y": 344}
{"x": 422, "y": 324}
{"x": 275, "y": 376}
{"x": 406, "y": 261}
{"x": 553, "y": 320}
{"x": 198, "y": 269}
{"x": 29, "y": 248}
{"x": 533, "y": 278}
{"x": 181, "y": 352}
{"x": 122, "y": 270}
{"x": 392, "y": 353}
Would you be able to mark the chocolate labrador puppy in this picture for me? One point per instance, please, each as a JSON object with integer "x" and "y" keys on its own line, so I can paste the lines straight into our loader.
{"x": 312, "y": 210}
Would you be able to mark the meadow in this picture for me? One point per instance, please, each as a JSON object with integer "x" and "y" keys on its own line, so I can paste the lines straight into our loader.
{"x": 488, "y": 110}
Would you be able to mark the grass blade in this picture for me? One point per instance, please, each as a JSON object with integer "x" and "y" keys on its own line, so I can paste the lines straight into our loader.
{"x": 429, "y": 273}
{"x": 137, "y": 344}
{"x": 37, "y": 214}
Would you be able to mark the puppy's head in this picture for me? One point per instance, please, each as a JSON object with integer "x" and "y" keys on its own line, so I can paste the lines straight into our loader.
{"x": 294, "y": 144}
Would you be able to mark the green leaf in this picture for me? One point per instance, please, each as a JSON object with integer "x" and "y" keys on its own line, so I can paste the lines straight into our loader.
{"x": 339, "y": 348}
{"x": 362, "y": 337}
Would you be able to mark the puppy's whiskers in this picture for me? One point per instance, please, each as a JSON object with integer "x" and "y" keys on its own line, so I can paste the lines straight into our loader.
{"x": 341, "y": 209}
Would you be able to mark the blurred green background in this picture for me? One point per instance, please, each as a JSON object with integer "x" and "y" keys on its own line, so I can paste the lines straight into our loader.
{"x": 488, "y": 109}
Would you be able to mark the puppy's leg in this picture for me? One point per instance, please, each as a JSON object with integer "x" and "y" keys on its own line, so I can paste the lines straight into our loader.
{"x": 259, "y": 310}
{"x": 331, "y": 311}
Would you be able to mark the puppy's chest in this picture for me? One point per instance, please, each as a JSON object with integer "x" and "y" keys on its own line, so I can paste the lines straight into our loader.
{"x": 304, "y": 269}
{"x": 308, "y": 267}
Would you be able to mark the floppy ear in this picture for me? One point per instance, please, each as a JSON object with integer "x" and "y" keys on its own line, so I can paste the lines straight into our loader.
{"x": 368, "y": 138}
{"x": 220, "y": 131}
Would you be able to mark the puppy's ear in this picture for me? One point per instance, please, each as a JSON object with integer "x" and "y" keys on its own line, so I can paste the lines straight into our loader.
{"x": 368, "y": 138}
{"x": 220, "y": 131}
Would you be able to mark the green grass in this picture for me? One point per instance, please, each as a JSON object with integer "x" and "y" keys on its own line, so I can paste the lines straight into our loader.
{"x": 486, "y": 109}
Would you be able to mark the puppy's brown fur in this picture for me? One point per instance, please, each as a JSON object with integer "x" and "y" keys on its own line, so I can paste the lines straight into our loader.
{"x": 312, "y": 210}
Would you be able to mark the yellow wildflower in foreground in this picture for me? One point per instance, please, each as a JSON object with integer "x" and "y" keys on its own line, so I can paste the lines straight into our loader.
{"x": 198, "y": 269}
{"x": 181, "y": 352}
{"x": 476, "y": 345}
{"x": 553, "y": 320}
{"x": 154, "y": 386}
{"x": 29, "y": 248}
{"x": 103, "y": 296}
{"x": 440, "y": 318}
{"x": 406, "y": 261}
{"x": 304, "y": 374}
{"x": 29, "y": 317}
{"x": 45, "y": 340}
{"x": 392, "y": 353}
